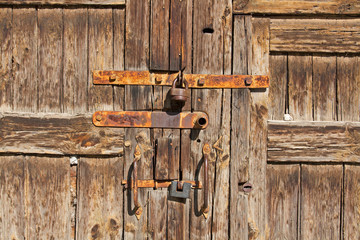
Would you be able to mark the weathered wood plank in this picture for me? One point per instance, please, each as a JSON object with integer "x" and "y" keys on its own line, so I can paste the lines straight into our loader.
{"x": 282, "y": 195}
{"x": 100, "y": 199}
{"x": 6, "y": 33}
{"x": 25, "y": 60}
{"x": 50, "y": 46}
{"x": 63, "y": 2}
{"x": 75, "y": 60}
{"x": 158, "y": 211}
{"x": 351, "y": 202}
{"x": 313, "y": 141}
{"x": 278, "y": 86}
{"x": 324, "y": 88}
{"x": 300, "y": 87}
{"x": 315, "y": 35}
{"x": 47, "y": 198}
{"x": 297, "y": 7}
{"x": 320, "y": 201}
{"x": 258, "y": 126}
{"x": 12, "y": 199}
{"x": 100, "y": 57}
{"x": 167, "y": 158}
{"x": 348, "y": 88}
{"x": 57, "y": 134}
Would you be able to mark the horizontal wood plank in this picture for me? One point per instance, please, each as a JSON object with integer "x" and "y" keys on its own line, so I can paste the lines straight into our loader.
{"x": 297, "y": 6}
{"x": 63, "y": 2}
{"x": 315, "y": 35}
{"x": 58, "y": 134}
{"x": 313, "y": 142}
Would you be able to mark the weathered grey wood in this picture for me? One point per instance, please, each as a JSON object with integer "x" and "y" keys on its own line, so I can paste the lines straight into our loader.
{"x": 6, "y": 33}
{"x": 63, "y": 2}
{"x": 351, "y": 202}
{"x": 47, "y": 198}
{"x": 320, "y": 201}
{"x": 297, "y": 6}
{"x": 12, "y": 197}
{"x": 100, "y": 199}
{"x": 324, "y": 88}
{"x": 348, "y": 90}
{"x": 282, "y": 194}
{"x": 300, "y": 87}
{"x": 313, "y": 141}
{"x": 167, "y": 158}
{"x": 278, "y": 86}
{"x": 50, "y": 65}
{"x": 75, "y": 60}
{"x": 258, "y": 126}
{"x": 158, "y": 208}
{"x": 57, "y": 134}
{"x": 25, "y": 60}
{"x": 315, "y": 35}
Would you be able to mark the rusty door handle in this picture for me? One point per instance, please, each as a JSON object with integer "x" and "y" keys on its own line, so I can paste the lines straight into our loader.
{"x": 205, "y": 207}
{"x": 138, "y": 208}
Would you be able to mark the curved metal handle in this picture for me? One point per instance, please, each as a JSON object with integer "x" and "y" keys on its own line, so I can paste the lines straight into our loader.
{"x": 205, "y": 207}
{"x": 138, "y": 208}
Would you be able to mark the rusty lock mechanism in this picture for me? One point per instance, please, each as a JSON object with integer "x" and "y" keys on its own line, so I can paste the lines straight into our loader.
{"x": 179, "y": 93}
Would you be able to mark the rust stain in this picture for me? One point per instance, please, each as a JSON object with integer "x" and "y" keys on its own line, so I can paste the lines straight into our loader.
{"x": 130, "y": 227}
{"x": 85, "y": 140}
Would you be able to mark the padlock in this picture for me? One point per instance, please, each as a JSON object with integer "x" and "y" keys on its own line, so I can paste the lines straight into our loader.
{"x": 179, "y": 94}
{"x": 185, "y": 193}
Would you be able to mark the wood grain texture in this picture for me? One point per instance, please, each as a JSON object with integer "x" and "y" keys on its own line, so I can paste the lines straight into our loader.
{"x": 278, "y": 86}
{"x": 100, "y": 199}
{"x": 321, "y": 187}
{"x": 75, "y": 60}
{"x": 282, "y": 197}
{"x": 50, "y": 45}
{"x": 63, "y": 2}
{"x": 351, "y": 202}
{"x": 324, "y": 88}
{"x": 313, "y": 141}
{"x": 348, "y": 88}
{"x": 47, "y": 198}
{"x": 25, "y": 60}
{"x": 167, "y": 158}
{"x": 158, "y": 211}
{"x": 300, "y": 87}
{"x": 57, "y": 134}
{"x": 297, "y": 7}
{"x": 12, "y": 197}
{"x": 258, "y": 126}
{"x": 5, "y": 59}
{"x": 315, "y": 35}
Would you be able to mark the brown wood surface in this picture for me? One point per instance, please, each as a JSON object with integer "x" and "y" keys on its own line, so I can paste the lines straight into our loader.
{"x": 315, "y": 35}
{"x": 278, "y": 86}
{"x": 63, "y": 2}
{"x": 158, "y": 210}
{"x": 282, "y": 197}
{"x": 167, "y": 158}
{"x": 351, "y": 202}
{"x": 57, "y": 134}
{"x": 297, "y": 7}
{"x": 313, "y": 141}
{"x": 300, "y": 87}
{"x": 321, "y": 187}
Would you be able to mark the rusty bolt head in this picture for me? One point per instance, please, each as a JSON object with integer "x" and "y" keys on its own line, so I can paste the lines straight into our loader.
{"x": 98, "y": 117}
{"x": 158, "y": 80}
{"x": 112, "y": 78}
{"x": 201, "y": 81}
{"x": 248, "y": 81}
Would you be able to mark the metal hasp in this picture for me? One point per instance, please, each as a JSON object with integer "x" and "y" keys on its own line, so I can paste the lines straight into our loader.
{"x": 147, "y": 119}
{"x": 183, "y": 193}
{"x": 167, "y": 79}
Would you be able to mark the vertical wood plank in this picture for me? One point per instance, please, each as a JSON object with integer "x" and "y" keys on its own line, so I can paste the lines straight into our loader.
{"x": 278, "y": 86}
{"x": 50, "y": 48}
{"x": 300, "y": 87}
{"x": 320, "y": 201}
{"x": 258, "y": 129}
{"x": 47, "y": 198}
{"x": 282, "y": 194}
{"x": 324, "y": 88}
{"x": 348, "y": 91}
{"x": 5, "y": 59}
{"x": 159, "y": 37}
{"x": 75, "y": 73}
{"x": 100, "y": 57}
{"x": 25, "y": 62}
{"x": 351, "y": 202}
{"x": 158, "y": 213}
{"x": 12, "y": 202}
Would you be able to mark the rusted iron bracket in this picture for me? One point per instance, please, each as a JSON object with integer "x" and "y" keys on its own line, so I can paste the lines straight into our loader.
{"x": 161, "y": 184}
{"x": 147, "y": 119}
{"x": 167, "y": 79}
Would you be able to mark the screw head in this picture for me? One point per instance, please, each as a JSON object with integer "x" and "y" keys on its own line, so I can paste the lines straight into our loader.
{"x": 112, "y": 78}
{"x": 248, "y": 81}
{"x": 201, "y": 81}
{"x": 98, "y": 117}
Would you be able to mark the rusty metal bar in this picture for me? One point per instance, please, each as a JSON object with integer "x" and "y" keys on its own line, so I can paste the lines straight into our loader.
{"x": 161, "y": 184}
{"x": 147, "y": 119}
{"x": 138, "y": 208}
{"x": 205, "y": 207}
{"x": 166, "y": 79}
